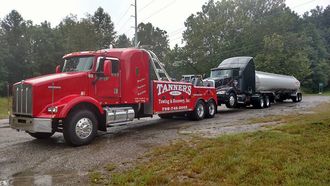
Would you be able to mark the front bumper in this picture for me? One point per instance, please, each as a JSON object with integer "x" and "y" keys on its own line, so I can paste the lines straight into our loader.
{"x": 32, "y": 125}
{"x": 222, "y": 98}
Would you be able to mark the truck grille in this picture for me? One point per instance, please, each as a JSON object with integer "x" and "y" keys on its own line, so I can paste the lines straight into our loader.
{"x": 22, "y": 99}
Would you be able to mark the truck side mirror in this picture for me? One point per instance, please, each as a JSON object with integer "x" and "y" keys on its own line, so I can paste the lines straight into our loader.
{"x": 58, "y": 69}
{"x": 106, "y": 68}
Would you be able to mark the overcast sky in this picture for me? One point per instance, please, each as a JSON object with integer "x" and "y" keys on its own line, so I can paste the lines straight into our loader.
{"x": 168, "y": 15}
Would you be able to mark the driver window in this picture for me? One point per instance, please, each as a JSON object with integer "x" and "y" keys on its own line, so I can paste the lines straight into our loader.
{"x": 236, "y": 73}
{"x": 115, "y": 67}
{"x": 100, "y": 66}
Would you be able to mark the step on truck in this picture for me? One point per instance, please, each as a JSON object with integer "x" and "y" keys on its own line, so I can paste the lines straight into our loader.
{"x": 238, "y": 84}
{"x": 99, "y": 89}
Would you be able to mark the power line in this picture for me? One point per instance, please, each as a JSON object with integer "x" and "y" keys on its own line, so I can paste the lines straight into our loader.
{"x": 123, "y": 15}
{"x": 159, "y": 10}
{"x": 152, "y": 1}
{"x": 177, "y": 30}
{"x": 124, "y": 24}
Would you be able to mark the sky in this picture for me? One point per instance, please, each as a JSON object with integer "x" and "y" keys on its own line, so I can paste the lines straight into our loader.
{"x": 168, "y": 15}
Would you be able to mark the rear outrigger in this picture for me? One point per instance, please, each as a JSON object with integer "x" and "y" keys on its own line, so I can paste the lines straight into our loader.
{"x": 99, "y": 89}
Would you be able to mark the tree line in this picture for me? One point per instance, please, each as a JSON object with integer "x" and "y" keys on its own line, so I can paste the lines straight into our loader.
{"x": 280, "y": 40}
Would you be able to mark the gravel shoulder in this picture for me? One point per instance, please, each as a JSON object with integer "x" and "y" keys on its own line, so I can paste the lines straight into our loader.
{"x": 24, "y": 160}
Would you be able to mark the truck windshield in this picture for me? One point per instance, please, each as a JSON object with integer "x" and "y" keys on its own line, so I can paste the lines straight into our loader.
{"x": 78, "y": 64}
{"x": 220, "y": 73}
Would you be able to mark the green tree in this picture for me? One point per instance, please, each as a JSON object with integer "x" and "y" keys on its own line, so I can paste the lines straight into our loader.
{"x": 46, "y": 49}
{"x": 154, "y": 39}
{"x": 15, "y": 39}
{"x": 77, "y": 35}
{"x": 123, "y": 42}
{"x": 104, "y": 28}
{"x": 316, "y": 28}
{"x": 284, "y": 55}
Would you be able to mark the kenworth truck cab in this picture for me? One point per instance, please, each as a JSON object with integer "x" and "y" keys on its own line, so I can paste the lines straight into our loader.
{"x": 98, "y": 89}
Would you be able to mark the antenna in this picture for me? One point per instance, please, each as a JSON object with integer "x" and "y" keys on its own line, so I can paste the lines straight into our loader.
{"x": 138, "y": 45}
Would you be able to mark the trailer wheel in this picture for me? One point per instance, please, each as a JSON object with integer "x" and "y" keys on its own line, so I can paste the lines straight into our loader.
{"x": 211, "y": 109}
{"x": 299, "y": 96}
{"x": 80, "y": 127}
{"x": 199, "y": 111}
{"x": 232, "y": 101}
{"x": 41, "y": 135}
{"x": 259, "y": 103}
{"x": 266, "y": 102}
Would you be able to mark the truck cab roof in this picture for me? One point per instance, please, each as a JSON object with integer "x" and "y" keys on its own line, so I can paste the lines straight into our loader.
{"x": 234, "y": 62}
{"x": 116, "y": 52}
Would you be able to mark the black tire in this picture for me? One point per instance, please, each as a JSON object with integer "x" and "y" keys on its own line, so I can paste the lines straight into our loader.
{"x": 299, "y": 97}
{"x": 165, "y": 116}
{"x": 41, "y": 135}
{"x": 232, "y": 101}
{"x": 266, "y": 102}
{"x": 294, "y": 99}
{"x": 199, "y": 111}
{"x": 211, "y": 109}
{"x": 259, "y": 103}
{"x": 80, "y": 127}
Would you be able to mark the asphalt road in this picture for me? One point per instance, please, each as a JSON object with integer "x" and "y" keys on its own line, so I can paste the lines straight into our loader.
{"x": 27, "y": 161}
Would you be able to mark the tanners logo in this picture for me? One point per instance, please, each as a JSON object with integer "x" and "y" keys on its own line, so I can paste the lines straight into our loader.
{"x": 174, "y": 89}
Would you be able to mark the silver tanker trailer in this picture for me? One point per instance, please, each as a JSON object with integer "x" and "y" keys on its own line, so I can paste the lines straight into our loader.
{"x": 238, "y": 84}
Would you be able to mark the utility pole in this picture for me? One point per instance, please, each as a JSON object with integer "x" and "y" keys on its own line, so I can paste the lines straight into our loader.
{"x": 136, "y": 26}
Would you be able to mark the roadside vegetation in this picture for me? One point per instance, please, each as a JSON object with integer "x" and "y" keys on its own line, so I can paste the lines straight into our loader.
{"x": 4, "y": 107}
{"x": 281, "y": 41}
{"x": 295, "y": 153}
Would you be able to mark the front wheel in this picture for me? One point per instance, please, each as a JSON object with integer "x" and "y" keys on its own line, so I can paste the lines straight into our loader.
{"x": 232, "y": 100}
{"x": 211, "y": 109}
{"x": 41, "y": 135}
{"x": 199, "y": 112}
{"x": 80, "y": 127}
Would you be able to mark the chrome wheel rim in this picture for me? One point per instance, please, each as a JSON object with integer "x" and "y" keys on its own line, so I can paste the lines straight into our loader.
{"x": 231, "y": 101}
{"x": 200, "y": 110}
{"x": 261, "y": 102}
{"x": 267, "y": 102}
{"x": 84, "y": 128}
{"x": 211, "y": 109}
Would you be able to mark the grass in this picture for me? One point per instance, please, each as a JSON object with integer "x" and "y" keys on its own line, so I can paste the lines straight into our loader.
{"x": 96, "y": 177}
{"x": 4, "y": 107}
{"x": 296, "y": 153}
{"x": 324, "y": 93}
{"x": 327, "y": 93}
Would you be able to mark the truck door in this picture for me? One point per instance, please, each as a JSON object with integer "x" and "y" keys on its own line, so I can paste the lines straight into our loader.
{"x": 108, "y": 87}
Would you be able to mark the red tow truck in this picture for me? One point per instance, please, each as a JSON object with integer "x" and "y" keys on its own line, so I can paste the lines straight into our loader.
{"x": 97, "y": 89}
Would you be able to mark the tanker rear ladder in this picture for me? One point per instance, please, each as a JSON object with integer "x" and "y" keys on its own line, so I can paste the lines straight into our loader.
{"x": 158, "y": 67}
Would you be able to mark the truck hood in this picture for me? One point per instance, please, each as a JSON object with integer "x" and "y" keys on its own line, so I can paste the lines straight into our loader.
{"x": 220, "y": 83}
{"x": 46, "y": 79}
{"x": 52, "y": 88}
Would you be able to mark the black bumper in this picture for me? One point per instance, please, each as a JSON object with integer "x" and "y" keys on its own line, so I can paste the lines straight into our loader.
{"x": 222, "y": 98}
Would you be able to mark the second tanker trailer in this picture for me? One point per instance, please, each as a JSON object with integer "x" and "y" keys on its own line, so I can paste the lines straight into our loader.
{"x": 238, "y": 84}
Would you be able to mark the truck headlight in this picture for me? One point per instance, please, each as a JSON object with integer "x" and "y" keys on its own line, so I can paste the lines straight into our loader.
{"x": 221, "y": 92}
{"x": 52, "y": 109}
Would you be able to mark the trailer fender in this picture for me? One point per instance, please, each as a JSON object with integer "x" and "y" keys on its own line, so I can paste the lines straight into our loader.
{"x": 78, "y": 100}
